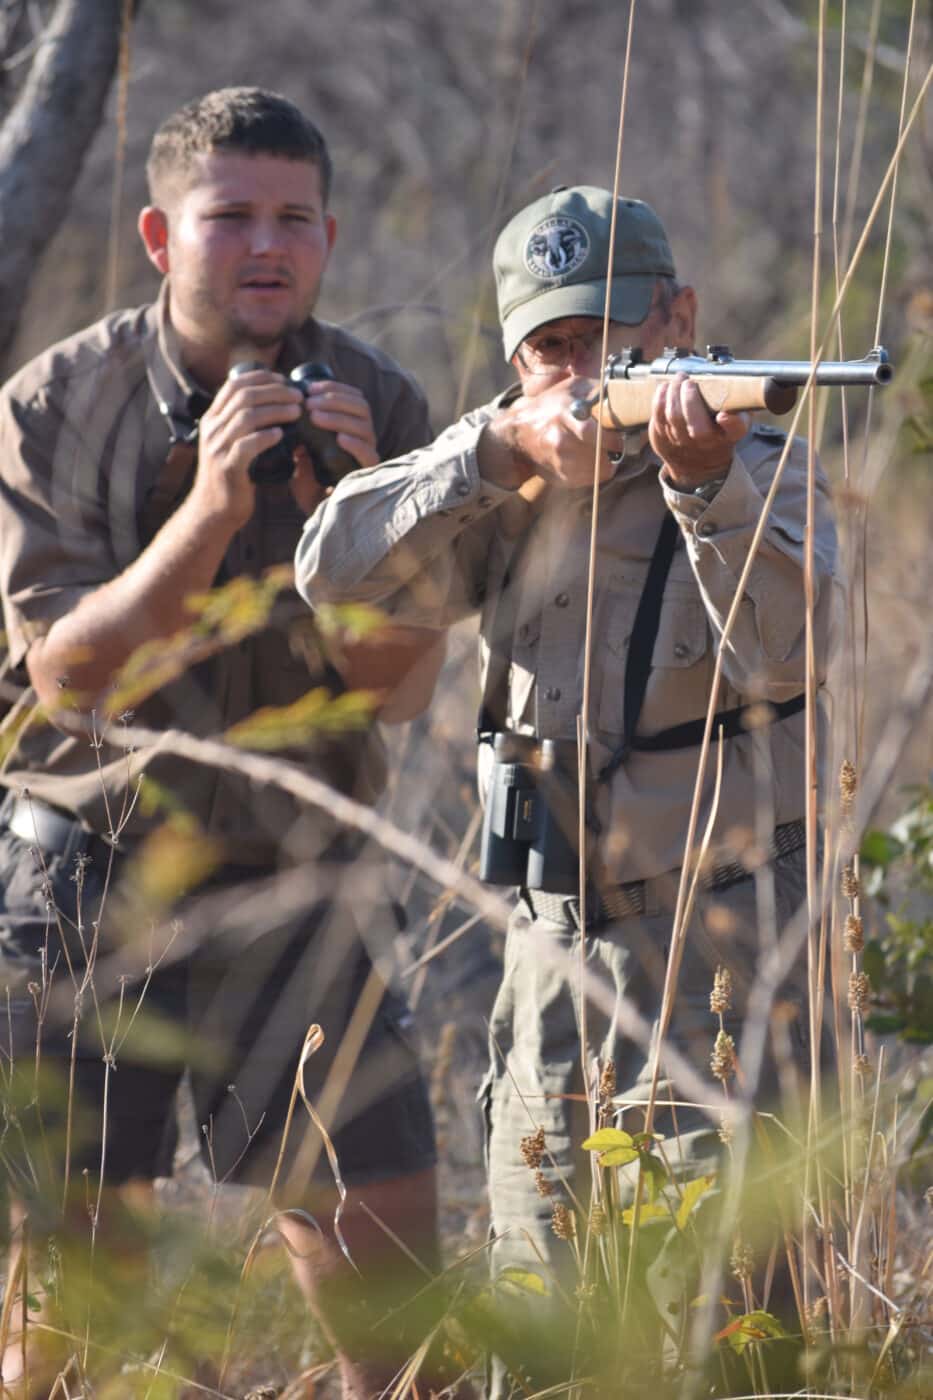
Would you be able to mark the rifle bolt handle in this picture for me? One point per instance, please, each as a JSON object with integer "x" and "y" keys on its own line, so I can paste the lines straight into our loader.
{"x": 580, "y": 408}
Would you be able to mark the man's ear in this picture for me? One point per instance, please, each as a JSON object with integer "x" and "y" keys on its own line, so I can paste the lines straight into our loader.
{"x": 330, "y": 228}
{"x": 153, "y": 230}
{"x": 683, "y": 318}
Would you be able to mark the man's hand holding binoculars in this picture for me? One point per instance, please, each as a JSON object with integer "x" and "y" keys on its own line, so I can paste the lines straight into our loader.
{"x": 264, "y": 429}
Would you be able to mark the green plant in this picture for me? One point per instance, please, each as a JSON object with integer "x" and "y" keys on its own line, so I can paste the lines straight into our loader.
{"x": 899, "y": 866}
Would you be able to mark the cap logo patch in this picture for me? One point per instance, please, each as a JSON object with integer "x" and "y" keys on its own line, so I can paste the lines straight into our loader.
{"x": 556, "y": 247}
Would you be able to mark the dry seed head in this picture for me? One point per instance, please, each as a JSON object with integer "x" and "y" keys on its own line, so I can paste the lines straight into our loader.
{"x": 848, "y": 783}
{"x": 722, "y": 1060}
{"x": 817, "y": 1309}
{"x": 742, "y": 1260}
{"x": 532, "y": 1149}
{"x": 859, "y": 992}
{"x": 607, "y": 1082}
{"x": 725, "y": 1132}
{"x": 720, "y": 998}
{"x": 853, "y": 934}
{"x": 850, "y": 885}
{"x": 562, "y": 1222}
{"x": 599, "y": 1220}
{"x": 863, "y": 1066}
{"x": 541, "y": 1182}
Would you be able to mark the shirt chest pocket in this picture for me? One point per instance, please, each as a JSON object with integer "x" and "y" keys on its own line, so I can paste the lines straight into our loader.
{"x": 681, "y": 643}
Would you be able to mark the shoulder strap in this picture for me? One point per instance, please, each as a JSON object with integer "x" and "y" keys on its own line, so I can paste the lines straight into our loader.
{"x": 638, "y": 668}
{"x": 171, "y": 487}
{"x": 641, "y": 645}
{"x": 495, "y": 700}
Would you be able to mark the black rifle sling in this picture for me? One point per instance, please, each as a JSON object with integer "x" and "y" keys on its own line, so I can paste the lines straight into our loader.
{"x": 495, "y": 702}
{"x": 638, "y": 668}
{"x": 641, "y": 643}
{"x": 492, "y": 716}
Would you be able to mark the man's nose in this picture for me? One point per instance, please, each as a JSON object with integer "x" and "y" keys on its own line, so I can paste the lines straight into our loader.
{"x": 584, "y": 357}
{"x": 266, "y": 236}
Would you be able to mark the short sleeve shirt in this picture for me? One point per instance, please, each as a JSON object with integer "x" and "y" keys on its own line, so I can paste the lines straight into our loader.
{"x": 85, "y": 433}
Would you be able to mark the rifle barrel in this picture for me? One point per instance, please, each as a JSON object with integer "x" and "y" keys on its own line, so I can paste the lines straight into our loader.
{"x": 875, "y": 368}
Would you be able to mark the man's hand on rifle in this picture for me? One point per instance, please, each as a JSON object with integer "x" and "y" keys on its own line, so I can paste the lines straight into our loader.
{"x": 539, "y": 436}
{"x": 694, "y": 445}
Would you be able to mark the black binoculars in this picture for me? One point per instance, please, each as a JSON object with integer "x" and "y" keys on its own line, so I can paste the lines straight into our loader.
{"x": 530, "y": 821}
{"x": 276, "y": 464}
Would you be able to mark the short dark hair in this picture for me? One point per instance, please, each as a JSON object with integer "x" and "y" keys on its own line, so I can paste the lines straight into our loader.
{"x": 244, "y": 119}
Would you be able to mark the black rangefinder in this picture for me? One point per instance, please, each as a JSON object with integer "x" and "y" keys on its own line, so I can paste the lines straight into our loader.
{"x": 276, "y": 464}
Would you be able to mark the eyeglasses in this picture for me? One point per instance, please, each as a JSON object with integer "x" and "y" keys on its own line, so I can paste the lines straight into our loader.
{"x": 545, "y": 353}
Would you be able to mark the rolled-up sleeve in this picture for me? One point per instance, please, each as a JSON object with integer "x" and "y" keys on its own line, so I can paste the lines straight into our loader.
{"x": 766, "y": 648}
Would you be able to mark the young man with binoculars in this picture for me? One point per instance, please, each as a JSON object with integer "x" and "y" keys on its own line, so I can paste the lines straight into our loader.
{"x": 137, "y": 470}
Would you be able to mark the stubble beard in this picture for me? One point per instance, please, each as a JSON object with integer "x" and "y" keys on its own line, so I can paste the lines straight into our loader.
{"x": 240, "y": 332}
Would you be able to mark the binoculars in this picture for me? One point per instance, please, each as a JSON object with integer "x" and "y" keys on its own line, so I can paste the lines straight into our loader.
{"x": 276, "y": 464}
{"x": 531, "y": 816}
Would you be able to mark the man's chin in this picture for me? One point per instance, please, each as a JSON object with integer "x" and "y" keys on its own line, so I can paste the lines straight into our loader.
{"x": 263, "y": 334}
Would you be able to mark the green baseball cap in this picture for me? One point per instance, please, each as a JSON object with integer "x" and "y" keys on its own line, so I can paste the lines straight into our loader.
{"x": 550, "y": 261}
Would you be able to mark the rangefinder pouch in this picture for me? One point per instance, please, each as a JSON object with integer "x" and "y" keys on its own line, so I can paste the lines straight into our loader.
{"x": 276, "y": 464}
{"x": 530, "y": 820}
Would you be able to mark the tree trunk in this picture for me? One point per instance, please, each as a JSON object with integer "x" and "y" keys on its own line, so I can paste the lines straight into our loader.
{"x": 45, "y": 137}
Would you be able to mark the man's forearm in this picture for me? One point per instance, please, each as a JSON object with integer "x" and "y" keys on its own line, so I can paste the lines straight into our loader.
{"x": 83, "y": 651}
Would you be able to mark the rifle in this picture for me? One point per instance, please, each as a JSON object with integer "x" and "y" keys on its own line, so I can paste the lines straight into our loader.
{"x": 726, "y": 384}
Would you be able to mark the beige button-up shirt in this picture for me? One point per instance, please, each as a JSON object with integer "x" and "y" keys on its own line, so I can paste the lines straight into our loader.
{"x": 85, "y": 430}
{"x": 427, "y": 539}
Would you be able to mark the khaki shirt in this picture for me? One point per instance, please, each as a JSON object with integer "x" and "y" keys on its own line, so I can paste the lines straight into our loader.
{"x": 85, "y": 431}
{"x": 430, "y": 541}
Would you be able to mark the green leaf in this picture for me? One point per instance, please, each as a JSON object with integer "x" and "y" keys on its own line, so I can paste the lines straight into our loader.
{"x": 886, "y": 1024}
{"x": 523, "y": 1280}
{"x": 650, "y": 1210}
{"x": 880, "y": 848}
{"x": 315, "y": 713}
{"x": 618, "y": 1156}
{"x": 656, "y": 1173}
{"x": 757, "y": 1326}
{"x": 358, "y": 620}
{"x": 606, "y": 1138}
{"x": 692, "y": 1191}
{"x": 873, "y": 961}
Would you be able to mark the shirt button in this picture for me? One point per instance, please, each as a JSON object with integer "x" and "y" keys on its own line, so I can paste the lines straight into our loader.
{"x": 552, "y": 693}
{"x": 705, "y": 527}
{"x": 485, "y": 502}
{"x": 463, "y": 488}
{"x": 562, "y": 600}
{"x": 681, "y": 650}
